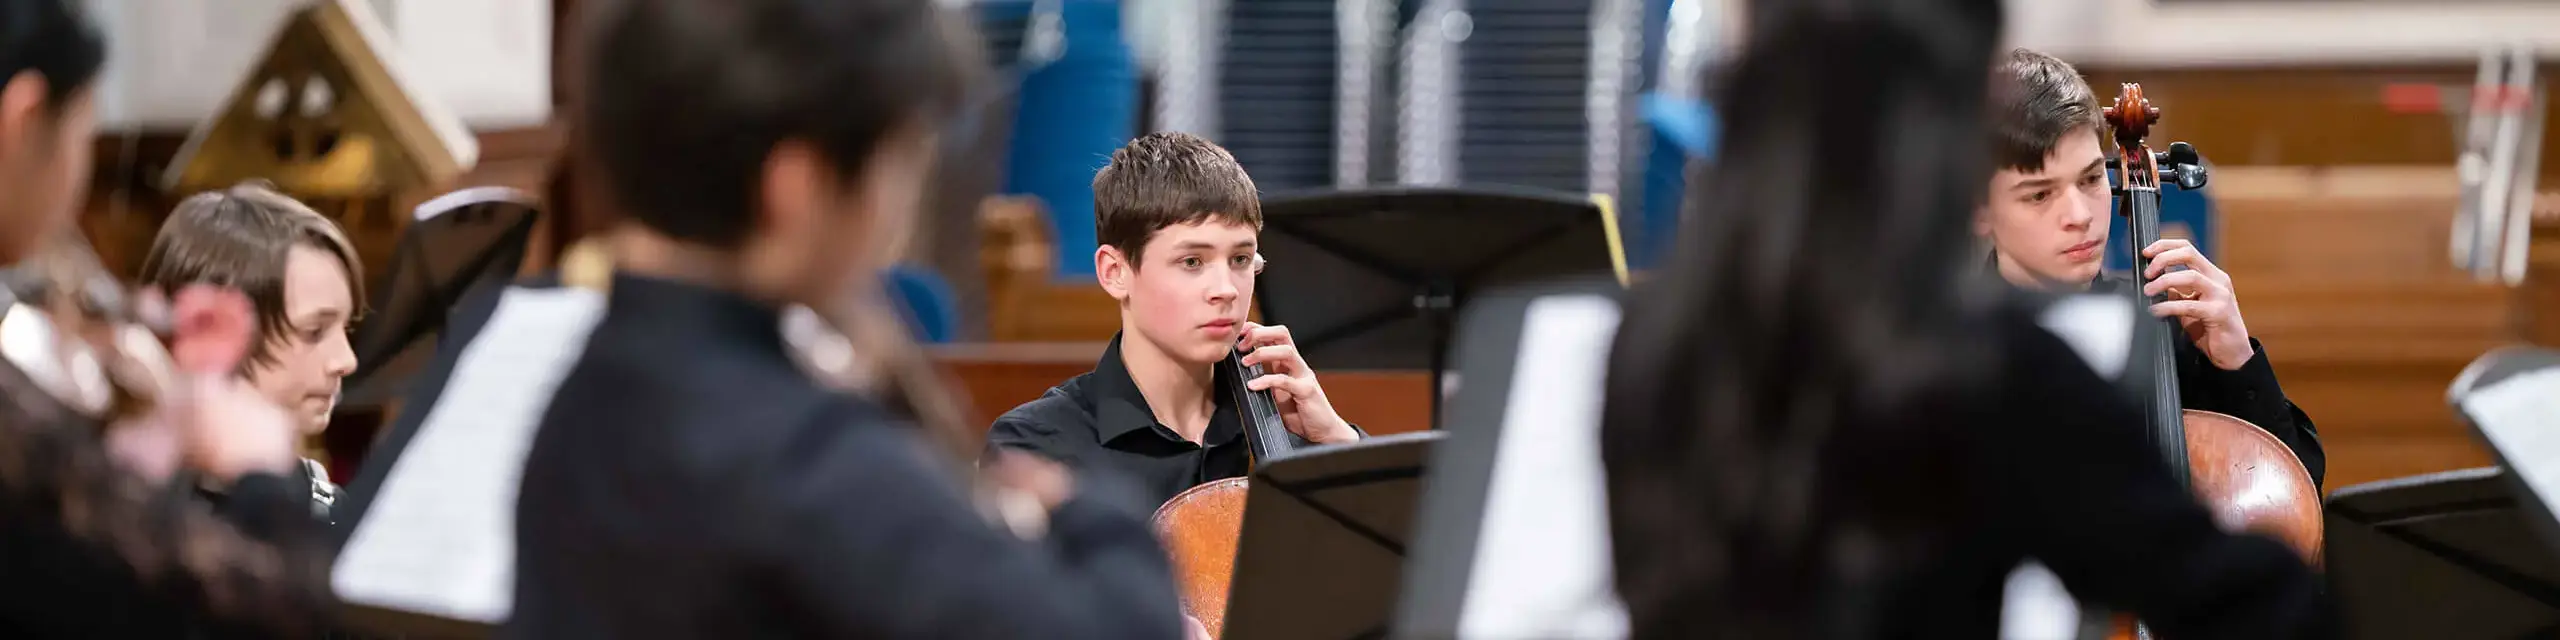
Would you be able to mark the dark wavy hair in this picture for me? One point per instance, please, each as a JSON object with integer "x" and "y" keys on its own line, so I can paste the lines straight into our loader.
{"x": 1777, "y": 386}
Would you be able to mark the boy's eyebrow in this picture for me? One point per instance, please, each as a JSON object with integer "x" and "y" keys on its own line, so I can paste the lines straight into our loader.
{"x": 1196, "y": 245}
{"x": 2095, "y": 164}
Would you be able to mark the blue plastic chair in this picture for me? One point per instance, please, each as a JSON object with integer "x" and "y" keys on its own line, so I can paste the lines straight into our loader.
{"x": 926, "y": 301}
{"x": 1073, "y": 112}
{"x": 2192, "y": 210}
{"x": 1684, "y": 130}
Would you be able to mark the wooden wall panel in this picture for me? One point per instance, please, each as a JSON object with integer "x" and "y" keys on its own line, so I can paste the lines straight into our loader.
{"x": 2344, "y": 274}
{"x": 2300, "y": 116}
{"x": 2541, "y": 295}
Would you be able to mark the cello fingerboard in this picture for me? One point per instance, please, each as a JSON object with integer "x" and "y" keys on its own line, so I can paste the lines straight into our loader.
{"x": 1266, "y": 436}
{"x": 2164, "y": 410}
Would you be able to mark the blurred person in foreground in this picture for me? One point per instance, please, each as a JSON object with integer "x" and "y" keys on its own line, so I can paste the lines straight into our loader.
{"x": 1821, "y": 424}
{"x": 693, "y": 477}
{"x": 95, "y": 540}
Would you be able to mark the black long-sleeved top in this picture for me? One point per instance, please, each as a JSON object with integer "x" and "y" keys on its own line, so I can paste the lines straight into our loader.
{"x": 689, "y": 481}
{"x": 2248, "y": 393}
{"x": 1911, "y": 527}
{"x": 2061, "y": 471}
{"x": 88, "y": 550}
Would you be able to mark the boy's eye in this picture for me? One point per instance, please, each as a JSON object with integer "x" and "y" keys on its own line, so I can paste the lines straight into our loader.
{"x": 1241, "y": 261}
{"x": 2039, "y": 197}
{"x": 1189, "y": 262}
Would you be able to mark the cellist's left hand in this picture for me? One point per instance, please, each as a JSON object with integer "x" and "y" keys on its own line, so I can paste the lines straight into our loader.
{"x": 1303, "y": 406}
{"x": 2202, "y": 299}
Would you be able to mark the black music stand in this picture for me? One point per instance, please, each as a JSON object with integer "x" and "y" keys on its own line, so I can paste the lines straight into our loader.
{"x": 462, "y": 240}
{"x": 2462, "y": 554}
{"x": 1373, "y": 279}
{"x": 1324, "y": 540}
{"x": 1547, "y": 344}
{"x": 2510, "y": 397}
{"x": 2445, "y": 555}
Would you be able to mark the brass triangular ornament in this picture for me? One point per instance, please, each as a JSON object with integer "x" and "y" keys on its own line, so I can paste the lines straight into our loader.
{"x": 327, "y": 112}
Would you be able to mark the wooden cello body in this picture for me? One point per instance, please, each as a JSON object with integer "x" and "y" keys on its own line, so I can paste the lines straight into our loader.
{"x": 2250, "y": 481}
{"x": 1200, "y": 527}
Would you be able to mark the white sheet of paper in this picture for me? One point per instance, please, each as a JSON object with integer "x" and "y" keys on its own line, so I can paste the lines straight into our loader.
{"x": 1542, "y": 566}
{"x": 2099, "y": 327}
{"x": 440, "y": 537}
{"x": 2521, "y": 418}
{"x": 2035, "y": 606}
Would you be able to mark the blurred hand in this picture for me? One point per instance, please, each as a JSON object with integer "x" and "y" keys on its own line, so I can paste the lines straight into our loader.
{"x": 1030, "y": 474}
{"x": 230, "y": 430}
{"x": 222, "y": 426}
{"x": 1193, "y": 630}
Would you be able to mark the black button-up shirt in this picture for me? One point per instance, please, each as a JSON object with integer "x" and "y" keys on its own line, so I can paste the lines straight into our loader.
{"x": 1099, "y": 421}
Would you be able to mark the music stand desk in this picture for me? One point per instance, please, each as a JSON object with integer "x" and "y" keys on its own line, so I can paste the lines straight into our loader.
{"x": 2461, "y": 554}
{"x": 1322, "y": 552}
{"x": 1375, "y": 278}
{"x": 2444, "y": 555}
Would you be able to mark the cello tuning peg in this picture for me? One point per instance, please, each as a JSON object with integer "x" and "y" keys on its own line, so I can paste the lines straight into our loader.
{"x": 2190, "y": 176}
{"x": 2183, "y": 153}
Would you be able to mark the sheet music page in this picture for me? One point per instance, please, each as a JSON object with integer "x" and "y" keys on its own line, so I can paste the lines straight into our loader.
{"x": 2034, "y": 605}
{"x": 2521, "y": 418}
{"x": 440, "y": 537}
{"x": 1542, "y": 565}
{"x": 2099, "y": 327}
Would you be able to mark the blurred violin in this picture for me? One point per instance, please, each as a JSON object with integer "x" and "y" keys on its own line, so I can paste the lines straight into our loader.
{"x": 72, "y": 332}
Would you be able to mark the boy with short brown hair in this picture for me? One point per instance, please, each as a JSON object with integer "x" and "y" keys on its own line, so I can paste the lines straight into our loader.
{"x": 1177, "y": 220}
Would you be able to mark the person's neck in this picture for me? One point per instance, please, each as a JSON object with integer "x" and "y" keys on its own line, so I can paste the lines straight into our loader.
{"x": 2018, "y": 276}
{"x": 1177, "y": 392}
{"x": 642, "y": 252}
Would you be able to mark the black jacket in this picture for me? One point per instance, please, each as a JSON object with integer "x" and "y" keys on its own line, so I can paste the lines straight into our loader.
{"x": 689, "y": 481}
{"x": 2059, "y": 470}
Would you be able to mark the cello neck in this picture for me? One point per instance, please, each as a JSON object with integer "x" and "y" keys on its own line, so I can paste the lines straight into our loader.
{"x": 1265, "y": 436}
{"x": 2163, "y": 409}
{"x": 2139, "y": 172}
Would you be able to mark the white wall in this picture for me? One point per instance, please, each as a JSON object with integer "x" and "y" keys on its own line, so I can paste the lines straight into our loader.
{"x": 2270, "y": 32}
{"x": 2286, "y": 32}
{"x": 174, "y": 61}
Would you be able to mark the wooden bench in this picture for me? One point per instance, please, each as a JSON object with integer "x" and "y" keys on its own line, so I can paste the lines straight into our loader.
{"x": 2345, "y": 274}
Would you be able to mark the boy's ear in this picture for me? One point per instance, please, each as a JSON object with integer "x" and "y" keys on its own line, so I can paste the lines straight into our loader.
{"x": 21, "y": 105}
{"x": 793, "y": 181}
{"x": 1112, "y": 270}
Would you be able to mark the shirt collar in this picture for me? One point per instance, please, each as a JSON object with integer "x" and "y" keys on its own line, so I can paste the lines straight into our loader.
{"x": 695, "y": 311}
{"x": 1120, "y": 408}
